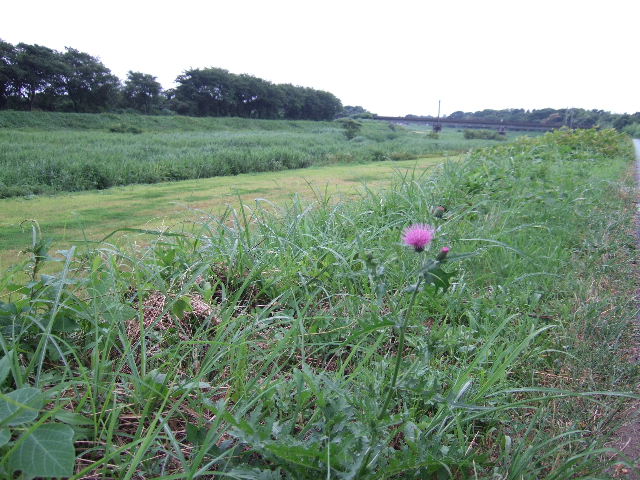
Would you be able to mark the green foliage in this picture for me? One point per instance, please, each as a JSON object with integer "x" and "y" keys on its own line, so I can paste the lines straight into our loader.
{"x": 219, "y": 93}
{"x": 39, "y": 449}
{"x": 356, "y": 112}
{"x": 54, "y": 152}
{"x": 34, "y": 76}
{"x": 46, "y": 452}
{"x": 20, "y": 406}
{"x": 484, "y": 134}
{"x": 141, "y": 92}
{"x": 569, "y": 117}
{"x": 122, "y": 128}
{"x": 351, "y": 128}
{"x": 632, "y": 129}
{"x": 278, "y": 341}
{"x": 89, "y": 85}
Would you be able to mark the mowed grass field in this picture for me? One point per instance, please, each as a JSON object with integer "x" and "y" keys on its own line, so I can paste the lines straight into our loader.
{"x": 74, "y": 218}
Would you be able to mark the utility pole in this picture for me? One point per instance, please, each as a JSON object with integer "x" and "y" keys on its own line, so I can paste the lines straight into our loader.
{"x": 437, "y": 126}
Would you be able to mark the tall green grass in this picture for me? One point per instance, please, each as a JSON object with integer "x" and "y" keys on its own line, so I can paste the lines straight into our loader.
{"x": 55, "y": 152}
{"x": 265, "y": 345}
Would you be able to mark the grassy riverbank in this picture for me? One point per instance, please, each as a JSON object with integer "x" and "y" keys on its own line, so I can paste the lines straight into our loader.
{"x": 45, "y": 153}
{"x": 305, "y": 341}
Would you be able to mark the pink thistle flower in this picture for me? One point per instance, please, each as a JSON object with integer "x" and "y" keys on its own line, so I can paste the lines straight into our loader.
{"x": 418, "y": 236}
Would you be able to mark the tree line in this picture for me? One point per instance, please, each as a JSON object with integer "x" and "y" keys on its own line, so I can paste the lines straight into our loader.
{"x": 38, "y": 77}
{"x": 571, "y": 117}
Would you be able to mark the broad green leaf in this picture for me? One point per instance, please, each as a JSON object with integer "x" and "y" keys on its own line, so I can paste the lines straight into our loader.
{"x": 45, "y": 452}
{"x": 11, "y": 323}
{"x": 439, "y": 278}
{"x": 5, "y": 436}
{"x": 63, "y": 323}
{"x": 72, "y": 418}
{"x": 297, "y": 454}
{"x": 196, "y": 434}
{"x": 429, "y": 266}
{"x": 20, "y": 406}
{"x": 181, "y": 306}
{"x": 5, "y": 366}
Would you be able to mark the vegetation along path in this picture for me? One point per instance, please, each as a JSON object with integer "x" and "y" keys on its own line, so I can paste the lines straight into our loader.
{"x": 73, "y": 218}
{"x": 629, "y": 434}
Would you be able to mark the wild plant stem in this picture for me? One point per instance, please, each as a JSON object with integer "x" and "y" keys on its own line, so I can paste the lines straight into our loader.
{"x": 396, "y": 368}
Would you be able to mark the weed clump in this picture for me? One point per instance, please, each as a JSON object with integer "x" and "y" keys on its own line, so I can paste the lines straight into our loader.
{"x": 483, "y": 134}
{"x": 122, "y": 128}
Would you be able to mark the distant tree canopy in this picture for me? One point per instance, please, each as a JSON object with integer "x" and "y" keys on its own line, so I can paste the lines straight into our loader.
{"x": 37, "y": 77}
{"x": 141, "y": 92}
{"x": 33, "y": 76}
{"x": 572, "y": 117}
{"x": 355, "y": 112}
{"x": 216, "y": 92}
{"x": 88, "y": 84}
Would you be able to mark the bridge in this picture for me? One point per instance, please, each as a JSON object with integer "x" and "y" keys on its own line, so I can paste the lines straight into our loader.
{"x": 472, "y": 123}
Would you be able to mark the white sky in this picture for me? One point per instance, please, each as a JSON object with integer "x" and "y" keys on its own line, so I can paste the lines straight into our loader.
{"x": 394, "y": 57}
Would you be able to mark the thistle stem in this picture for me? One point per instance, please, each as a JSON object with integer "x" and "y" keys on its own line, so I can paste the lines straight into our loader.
{"x": 396, "y": 368}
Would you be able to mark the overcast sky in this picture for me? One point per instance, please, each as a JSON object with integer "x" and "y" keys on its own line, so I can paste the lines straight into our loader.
{"x": 393, "y": 57}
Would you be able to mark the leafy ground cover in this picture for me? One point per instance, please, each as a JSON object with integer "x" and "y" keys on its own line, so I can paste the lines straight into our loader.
{"x": 55, "y": 152}
{"x": 306, "y": 341}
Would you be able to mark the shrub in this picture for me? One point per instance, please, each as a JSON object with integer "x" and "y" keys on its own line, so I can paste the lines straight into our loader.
{"x": 379, "y": 156}
{"x": 483, "y": 134}
{"x": 350, "y": 127}
{"x": 92, "y": 177}
{"x": 122, "y": 128}
{"x": 633, "y": 130}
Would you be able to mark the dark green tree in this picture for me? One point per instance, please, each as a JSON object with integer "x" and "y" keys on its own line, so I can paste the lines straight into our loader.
{"x": 355, "y": 112}
{"x": 88, "y": 84}
{"x": 255, "y": 98}
{"x": 293, "y": 101}
{"x": 207, "y": 92}
{"x": 319, "y": 105}
{"x": 39, "y": 71}
{"x": 7, "y": 72}
{"x": 142, "y": 92}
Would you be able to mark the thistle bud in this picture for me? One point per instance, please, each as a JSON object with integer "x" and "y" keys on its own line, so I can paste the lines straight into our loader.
{"x": 443, "y": 254}
{"x": 438, "y": 211}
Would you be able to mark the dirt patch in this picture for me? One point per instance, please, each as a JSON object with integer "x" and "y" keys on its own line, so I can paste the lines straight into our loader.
{"x": 627, "y": 440}
{"x": 627, "y": 437}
